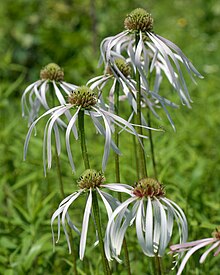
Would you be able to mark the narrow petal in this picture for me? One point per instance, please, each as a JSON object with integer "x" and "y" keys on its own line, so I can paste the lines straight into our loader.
{"x": 68, "y": 130}
{"x": 202, "y": 259}
{"x": 149, "y": 229}
{"x": 85, "y": 224}
{"x": 188, "y": 254}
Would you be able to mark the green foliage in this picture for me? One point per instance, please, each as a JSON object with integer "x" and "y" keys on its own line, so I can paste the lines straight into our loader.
{"x": 34, "y": 33}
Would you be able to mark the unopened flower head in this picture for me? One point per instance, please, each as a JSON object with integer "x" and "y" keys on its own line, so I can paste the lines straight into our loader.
{"x": 52, "y": 72}
{"x": 139, "y": 20}
{"x": 122, "y": 66}
{"x": 154, "y": 215}
{"x": 91, "y": 179}
{"x": 83, "y": 96}
{"x": 192, "y": 247}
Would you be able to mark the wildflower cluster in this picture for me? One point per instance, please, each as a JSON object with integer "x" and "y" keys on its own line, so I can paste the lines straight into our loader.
{"x": 135, "y": 63}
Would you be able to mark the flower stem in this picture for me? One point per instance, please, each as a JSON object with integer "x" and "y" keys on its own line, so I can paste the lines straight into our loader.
{"x": 152, "y": 146}
{"x": 117, "y": 163}
{"x": 117, "y": 173}
{"x": 95, "y": 205}
{"x": 62, "y": 193}
{"x": 158, "y": 265}
{"x": 83, "y": 140}
{"x": 140, "y": 148}
{"x": 59, "y": 173}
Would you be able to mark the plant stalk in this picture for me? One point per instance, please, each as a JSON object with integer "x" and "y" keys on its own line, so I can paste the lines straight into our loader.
{"x": 117, "y": 173}
{"x": 62, "y": 193}
{"x": 152, "y": 146}
{"x": 140, "y": 148}
{"x": 95, "y": 206}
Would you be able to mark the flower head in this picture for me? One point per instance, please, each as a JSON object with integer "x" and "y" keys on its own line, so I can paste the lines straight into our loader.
{"x": 52, "y": 72}
{"x": 90, "y": 181}
{"x": 39, "y": 91}
{"x": 192, "y": 247}
{"x": 148, "y": 52}
{"x": 81, "y": 99}
{"x": 153, "y": 214}
{"x": 139, "y": 20}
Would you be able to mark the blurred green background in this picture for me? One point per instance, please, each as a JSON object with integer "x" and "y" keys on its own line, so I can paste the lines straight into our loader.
{"x": 34, "y": 33}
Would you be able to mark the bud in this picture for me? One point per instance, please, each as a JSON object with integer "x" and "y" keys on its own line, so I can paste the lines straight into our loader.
{"x": 148, "y": 187}
{"x": 139, "y": 20}
{"x": 83, "y": 96}
{"x": 90, "y": 179}
{"x": 52, "y": 72}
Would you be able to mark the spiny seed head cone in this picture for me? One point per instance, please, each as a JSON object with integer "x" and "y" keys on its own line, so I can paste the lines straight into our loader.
{"x": 52, "y": 72}
{"x": 216, "y": 233}
{"x": 83, "y": 96}
{"x": 148, "y": 187}
{"x": 90, "y": 179}
{"x": 123, "y": 67}
{"x": 139, "y": 20}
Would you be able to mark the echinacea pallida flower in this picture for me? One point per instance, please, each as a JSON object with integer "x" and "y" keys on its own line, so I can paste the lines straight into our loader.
{"x": 121, "y": 73}
{"x": 38, "y": 92}
{"x": 192, "y": 247}
{"x": 153, "y": 215}
{"x": 151, "y": 52}
{"x": 80, "y": 99}
{"x": 91, "y": 181}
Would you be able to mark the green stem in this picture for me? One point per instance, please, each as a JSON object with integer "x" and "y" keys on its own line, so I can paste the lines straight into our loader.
{"x": 152, "y": 146}
{"x": 95, "y": 207}
{"x": 62, "y": 193}
{"x": 117, "y": 173}
{"x": 59, "y": 173}
{"x": 140, "y": 149}
{"x": 158, "y": 265}
{"x": 83, "y": 140}
{"x": 94, "y": 195}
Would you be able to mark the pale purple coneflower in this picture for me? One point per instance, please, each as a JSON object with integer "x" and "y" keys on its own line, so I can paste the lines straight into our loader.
{"x": 192, "y": 247}
{"x": 36, "y": 94}
{"x": 91, "y": 181}
{"x": 153, "y": 214}
{"x": 121, "y": 72}
{"x": 151, "y": 52}
{"x": 81, "y": 99}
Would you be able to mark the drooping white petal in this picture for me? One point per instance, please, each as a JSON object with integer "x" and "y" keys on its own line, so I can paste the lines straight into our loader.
{"x": 85, "y": 224}
{"x": 33, "y": 126}
{"x": 204, "y": 255}
{"x": 149, "y": 229}
{"x": 107, "y": 138}
{"x": 188, "y": 254}
{"x": 140, "y": 226}
{"x": 68, "y": 130}
{"x": 108, "y": 236}
{"x": 59, "y": 94}
{"x": 119, "y": 187}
